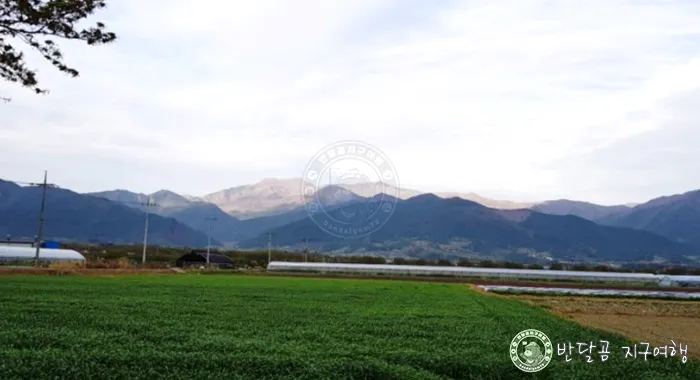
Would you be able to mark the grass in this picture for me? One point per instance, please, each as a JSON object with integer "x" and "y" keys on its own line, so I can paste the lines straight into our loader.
{"x": 247, "y": 327}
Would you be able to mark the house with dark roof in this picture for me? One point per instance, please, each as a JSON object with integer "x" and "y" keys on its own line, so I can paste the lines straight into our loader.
{"x": 199, "y": 258}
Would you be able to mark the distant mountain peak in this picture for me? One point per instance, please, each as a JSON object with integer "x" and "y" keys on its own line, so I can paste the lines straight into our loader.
{"x": 333, "y": 194}
{"x": 118, "y": 191}
{"x": 586, "y": 210}
{"x": 424, "y": 197}
{"x": 167, "y": 198}
{"x": 385, "y": 197}
{"x": 121, "y": 196}
{"x": 166, "y": 192}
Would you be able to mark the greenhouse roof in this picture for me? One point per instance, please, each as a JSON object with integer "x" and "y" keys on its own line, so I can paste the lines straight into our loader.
{"x": 23, "y": 253}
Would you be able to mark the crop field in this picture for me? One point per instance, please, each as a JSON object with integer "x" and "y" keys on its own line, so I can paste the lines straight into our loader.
{"x": 247, "y": 327}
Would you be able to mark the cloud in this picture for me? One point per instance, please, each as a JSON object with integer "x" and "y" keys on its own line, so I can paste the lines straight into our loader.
{"x": 492, "y": 97}
{"x": 659, "y": 161}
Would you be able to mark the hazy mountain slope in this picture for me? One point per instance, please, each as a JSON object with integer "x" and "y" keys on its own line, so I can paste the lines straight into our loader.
{"x": 436, "y": 221}
{"x": 585, "y": 238}
{"x": 488, "y": 202}
{"x": 266, "y": 197}
{"x": 74, "y": 216}
{"x": 167, "y": 199}
{"x": 371, "y": 189}
{"x": 330, "y": 197}
{"x": 122, "y": 196}
{"x": 226, "y": 228}
{"x": 584, "y": 210}
{"x": 676, "y": 217}
{"x": 250, "y": 228}
{"x": 192, "y": 213}
{"x": 272, "y": 203}
{"x": 274, "y": 196}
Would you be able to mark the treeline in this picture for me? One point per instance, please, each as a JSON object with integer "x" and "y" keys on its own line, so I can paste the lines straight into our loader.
{"x": 259, "y": 259}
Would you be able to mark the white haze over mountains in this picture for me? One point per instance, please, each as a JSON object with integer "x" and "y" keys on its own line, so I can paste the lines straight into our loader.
{"x": 519, "y": 100}
{"x": 271, "y": 196}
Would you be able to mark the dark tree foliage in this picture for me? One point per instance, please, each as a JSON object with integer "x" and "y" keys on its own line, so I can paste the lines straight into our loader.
{"x": 37, "y": 23}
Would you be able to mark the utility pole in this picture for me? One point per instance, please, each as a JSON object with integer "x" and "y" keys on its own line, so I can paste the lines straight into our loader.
{"x": 269, "y": 248}
{"x": 209, "y": 219}
{"x": 148, "y": 204}
{"x": 306, "y": 250}
{"x": 43, "y": 186}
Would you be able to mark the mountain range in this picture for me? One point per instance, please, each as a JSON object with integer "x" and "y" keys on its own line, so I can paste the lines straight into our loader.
{"x": 676, "y": 217}
{"x": 71, "y": 216}
{"x": 246, "y": 211}
{"x": 456, "y": 227}
{"x": 461, "y": 224}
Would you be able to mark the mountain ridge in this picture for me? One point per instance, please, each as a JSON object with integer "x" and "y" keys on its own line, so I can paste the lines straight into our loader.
{"x": 237, "y": 229}
{"x": 676, "y": 217}
{"x": 468, "y": 228}
{"x": 72, "y": 216}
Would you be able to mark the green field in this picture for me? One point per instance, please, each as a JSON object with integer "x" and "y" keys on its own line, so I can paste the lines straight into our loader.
{"x": 241, "y": 327}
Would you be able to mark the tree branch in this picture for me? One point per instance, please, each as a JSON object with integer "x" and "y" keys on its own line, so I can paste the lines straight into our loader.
{"x": 28, "y": 20}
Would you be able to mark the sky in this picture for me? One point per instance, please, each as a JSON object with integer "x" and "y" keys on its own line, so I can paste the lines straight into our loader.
{"x": 516, "y": 99}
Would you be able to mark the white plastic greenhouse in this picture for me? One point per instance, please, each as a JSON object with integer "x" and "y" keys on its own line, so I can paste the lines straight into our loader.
{"x": 503, "y": 273}
{"x": 681, "y": 281}
{"x": 592, "y": 292}
{"x": 11, "y": 253}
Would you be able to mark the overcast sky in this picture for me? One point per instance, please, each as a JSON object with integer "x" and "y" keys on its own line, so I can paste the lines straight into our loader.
{"x": 521, "y": 99}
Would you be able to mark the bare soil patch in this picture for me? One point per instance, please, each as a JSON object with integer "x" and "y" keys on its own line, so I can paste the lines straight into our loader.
{"x": 641, "y": 320}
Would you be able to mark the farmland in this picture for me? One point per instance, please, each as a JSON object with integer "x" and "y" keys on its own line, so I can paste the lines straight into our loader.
{"x": 246, "y": 327}
{"x": 647, "y": 320}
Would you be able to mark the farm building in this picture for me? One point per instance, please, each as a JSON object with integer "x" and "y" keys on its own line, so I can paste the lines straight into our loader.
{"x": 11, "y": 253}
{"x": 502, "y": 273}
{"x": 196, "y": 258}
